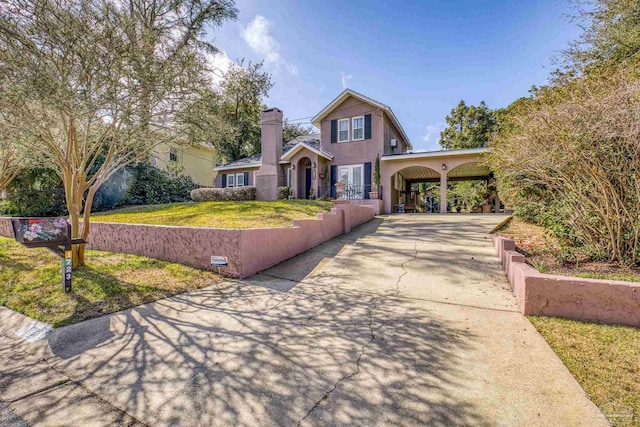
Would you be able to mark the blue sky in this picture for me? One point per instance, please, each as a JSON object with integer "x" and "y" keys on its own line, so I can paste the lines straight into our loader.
{"x": 420, "y": 57}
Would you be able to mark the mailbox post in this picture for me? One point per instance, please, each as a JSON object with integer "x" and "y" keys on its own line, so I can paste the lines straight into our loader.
{"x": 51, "y": 233}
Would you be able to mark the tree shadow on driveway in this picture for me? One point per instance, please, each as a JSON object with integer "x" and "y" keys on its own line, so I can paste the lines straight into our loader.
{"x": 235, "y": 354}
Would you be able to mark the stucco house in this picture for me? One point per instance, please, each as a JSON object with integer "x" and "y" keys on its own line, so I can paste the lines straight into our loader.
{"x": 354, "y": 130}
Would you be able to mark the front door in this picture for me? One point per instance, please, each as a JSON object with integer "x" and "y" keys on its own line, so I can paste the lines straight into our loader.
{"x": 352, "y": 176}
{"x": 307, "y": 183}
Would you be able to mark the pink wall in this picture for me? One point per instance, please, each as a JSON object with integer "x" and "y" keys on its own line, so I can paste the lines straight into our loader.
{"x": 5, "y": 227}
{"x": 249, "y": 250}
{"x": 605, "y": 301}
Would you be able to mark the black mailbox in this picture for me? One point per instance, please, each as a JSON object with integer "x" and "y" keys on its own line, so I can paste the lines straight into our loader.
{"x": 51, "y": 233}
{"x": 42, "y": 232}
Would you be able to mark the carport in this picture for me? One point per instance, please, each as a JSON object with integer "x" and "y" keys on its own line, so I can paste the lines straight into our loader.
{"x": 398, "y": 172}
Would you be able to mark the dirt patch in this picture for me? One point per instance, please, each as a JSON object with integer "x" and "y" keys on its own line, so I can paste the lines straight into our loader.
{"x": 544, "y": 253}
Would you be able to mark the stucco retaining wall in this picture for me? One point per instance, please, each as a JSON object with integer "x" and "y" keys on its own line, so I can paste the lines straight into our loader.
{"x": 249, "y": 250}
{"x": 605, "y": 301}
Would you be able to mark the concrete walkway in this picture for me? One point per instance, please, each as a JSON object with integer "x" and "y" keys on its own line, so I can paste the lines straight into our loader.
{"x": 406, "y": 321}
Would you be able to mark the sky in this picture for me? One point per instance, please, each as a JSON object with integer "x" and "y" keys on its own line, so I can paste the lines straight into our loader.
{"x": 418, "y": 57}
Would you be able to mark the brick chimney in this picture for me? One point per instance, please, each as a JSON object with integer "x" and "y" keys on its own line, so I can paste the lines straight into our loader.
{"x": 270, "y": 175}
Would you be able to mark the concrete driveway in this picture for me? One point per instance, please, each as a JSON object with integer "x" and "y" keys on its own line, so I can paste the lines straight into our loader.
{"x": 406, "y": 321}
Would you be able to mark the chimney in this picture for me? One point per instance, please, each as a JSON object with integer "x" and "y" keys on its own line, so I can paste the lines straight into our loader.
{"x": 270, "y": 175}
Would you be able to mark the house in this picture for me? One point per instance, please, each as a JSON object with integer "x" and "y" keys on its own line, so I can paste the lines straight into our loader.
{"x": 197, "y": 162}
{"x": 354, "y": 130}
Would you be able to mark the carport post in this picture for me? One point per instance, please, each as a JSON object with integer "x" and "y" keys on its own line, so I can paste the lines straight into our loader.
{"x": 443, "y": 191}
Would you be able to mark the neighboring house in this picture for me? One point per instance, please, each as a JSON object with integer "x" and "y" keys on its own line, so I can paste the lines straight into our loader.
{"x": 354, "y": 130}
{"x": 197, "y": 162}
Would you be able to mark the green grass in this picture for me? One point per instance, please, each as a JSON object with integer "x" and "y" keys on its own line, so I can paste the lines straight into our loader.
{"x": 625, "y": 277}
{"x": 605, "y": 359}
{"x": 249, "y": 214}
{"x": 30, "y": 283}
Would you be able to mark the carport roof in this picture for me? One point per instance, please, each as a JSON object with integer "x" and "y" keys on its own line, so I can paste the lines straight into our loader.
{"x": 438, "y": 153}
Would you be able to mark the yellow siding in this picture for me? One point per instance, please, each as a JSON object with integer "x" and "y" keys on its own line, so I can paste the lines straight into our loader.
{"x": 198, "y": 162}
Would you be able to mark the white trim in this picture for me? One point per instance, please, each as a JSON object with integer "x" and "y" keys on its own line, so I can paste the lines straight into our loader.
{"x": 228, "y": 168}
{"x": 439, "y": 153}
{"x": 286, "y": 157}
{"x": 344, "y": 130}
{"x": 233, "y": 178}
{"x": 255, "y": 178}
{"x": 238, "y": 175}
{"x": 348, "y": 92}
{"x": 353, "y": 128}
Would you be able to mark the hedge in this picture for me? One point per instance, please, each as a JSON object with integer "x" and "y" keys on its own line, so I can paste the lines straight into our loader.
{"x": 235, "y": 194}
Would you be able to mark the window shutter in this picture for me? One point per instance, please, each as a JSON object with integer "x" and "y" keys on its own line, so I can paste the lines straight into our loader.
{"x": 224, "y": 180}
{"x": 367, "y": 179}
{"x": 334, "y": 173}
{"x": 367, "y": 126}
{"x": 246, "y": 178}
{"x": 334, "y": 131}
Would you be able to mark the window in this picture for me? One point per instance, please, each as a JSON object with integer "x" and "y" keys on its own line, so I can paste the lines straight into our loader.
{"x": 255, "y": 178}
{"x": 173, "y": 155}
{"x": 358, "y": 128}
{"x": 240, "y": 180}
{"x": 343, "y": 130}
{"x": 289, "y": 177}
{"x": 231, "y": 180}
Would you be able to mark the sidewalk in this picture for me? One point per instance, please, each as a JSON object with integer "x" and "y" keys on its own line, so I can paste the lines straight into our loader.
{"x": 33, "y": 393}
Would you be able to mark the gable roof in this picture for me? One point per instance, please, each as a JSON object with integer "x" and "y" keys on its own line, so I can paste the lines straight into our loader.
{"x": 352, "y": 93}
{"x": 311, "y": 141}
{"x": 311, "y": 145}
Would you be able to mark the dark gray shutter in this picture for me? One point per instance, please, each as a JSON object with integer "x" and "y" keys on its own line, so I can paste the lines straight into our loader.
{"x": 334, "y": 173}
{"x": 367, "y": 126}
{"x": 246, "y": 178}
{"x": 334, "y": 131}
{"x": 367, "y": 179}
{"x": 224, "y": 180}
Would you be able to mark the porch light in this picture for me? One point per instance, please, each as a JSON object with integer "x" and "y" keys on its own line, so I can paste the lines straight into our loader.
{"x": 293, "y": 166}
{"x": 444, "y": 167}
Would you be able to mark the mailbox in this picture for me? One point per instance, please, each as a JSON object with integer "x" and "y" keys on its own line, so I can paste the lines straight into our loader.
{"x": 42, "y": 232}
{"x": 51, "y": 233}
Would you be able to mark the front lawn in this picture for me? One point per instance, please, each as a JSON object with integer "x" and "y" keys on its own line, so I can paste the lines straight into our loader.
{"x": 30, "y": 283}
{"x": 605, "y": 359}
{"x": 545, "y": 254}
{"x": 249, "y": 214}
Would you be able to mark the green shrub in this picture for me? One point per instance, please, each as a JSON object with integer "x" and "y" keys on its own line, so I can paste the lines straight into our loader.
{"x": 35, "y": 192}
{"x": 153, "y": 186}
{"x": 235, "y": 194}
{"x": 284, "y": 193}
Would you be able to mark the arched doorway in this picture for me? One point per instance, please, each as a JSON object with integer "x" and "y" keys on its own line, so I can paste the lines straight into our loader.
{"x": 304, "y": 178}
{"x": 416, "y": 189}
{"x": 472, "y": 188}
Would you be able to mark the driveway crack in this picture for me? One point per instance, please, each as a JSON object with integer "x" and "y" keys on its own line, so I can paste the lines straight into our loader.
{"x": 351, "y": 375}
{"x": 404, "y": 270}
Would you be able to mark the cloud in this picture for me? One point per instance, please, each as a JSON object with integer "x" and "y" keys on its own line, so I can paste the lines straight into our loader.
{"x": 419, "y": 150}
{"x": 258, "y": 37}
{"x": 219, "y": 64}
{"x": 345, "y": 79}
{"x": 432, "y": 133}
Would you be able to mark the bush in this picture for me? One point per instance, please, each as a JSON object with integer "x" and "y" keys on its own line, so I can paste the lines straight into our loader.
{"x": 153, "y": 186}
{"x": 235, "y": 194}
{"x": 568, "y": 158}
{"x": 35, "y": 192}
{"x": 284, "y": 193}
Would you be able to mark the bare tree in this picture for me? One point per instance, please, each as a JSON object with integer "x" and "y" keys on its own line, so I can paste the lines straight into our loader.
{"x": 11, "y": 156}
{"x": 95, "y": 85}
